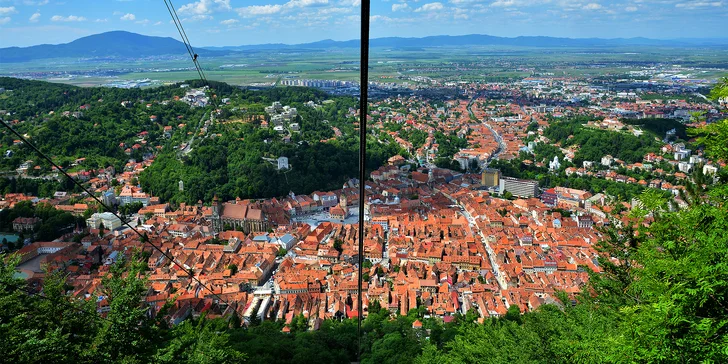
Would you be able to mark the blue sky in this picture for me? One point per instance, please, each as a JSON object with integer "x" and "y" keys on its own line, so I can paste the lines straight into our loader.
{"x": 237, "y": 22}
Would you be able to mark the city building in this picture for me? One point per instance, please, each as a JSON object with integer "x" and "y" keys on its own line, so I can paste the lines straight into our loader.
{"x": 518, "y": 187}
{"x": 22, "y": 224}
{"x": 238, "y": 215}
{"x": 490, "y": 177}
{"x": 107, "y": 219}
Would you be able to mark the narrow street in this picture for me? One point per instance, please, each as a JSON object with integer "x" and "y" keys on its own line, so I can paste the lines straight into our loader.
{"x": 496, "y": 136}
{"x": 500, "y": 277}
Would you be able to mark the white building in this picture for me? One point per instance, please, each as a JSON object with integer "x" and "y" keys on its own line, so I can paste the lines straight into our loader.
{"x": 607, "y": 160}
{"x": 287, "y": 241}
{"x": 107, "y": 219}
{"x": 283, "y": 163}
{"x": 710, "y": 169}
{"x": 685, "y": 167}
{"x": 554, "y": 165}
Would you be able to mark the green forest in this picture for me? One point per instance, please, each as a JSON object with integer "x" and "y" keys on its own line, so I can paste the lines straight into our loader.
{"x": 232, "y": 164}
{"x": 227, "y": 161}
{"x": 594, "y": 143}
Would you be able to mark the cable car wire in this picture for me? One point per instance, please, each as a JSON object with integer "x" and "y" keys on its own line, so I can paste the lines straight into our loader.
{"x": 144, "y": 238}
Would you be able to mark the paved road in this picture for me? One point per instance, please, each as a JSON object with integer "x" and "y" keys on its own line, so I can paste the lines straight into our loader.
{"x": 188, "y": 148}
{"x": 500, "y": 277}
{"x": 496, "y": 136}
{"x": 704, "y": 98}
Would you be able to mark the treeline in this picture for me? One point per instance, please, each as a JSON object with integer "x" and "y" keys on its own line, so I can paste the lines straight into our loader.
{"x": 96, "y": 132}
{"x": 107, "y": 133}
{"x": 53, "y": 223}
{"x": 233, "y": 166}
{"x": 659, "y": 127}
{"x": 36, "y": 186}
{"x": 594, "y": 143}
{"x": 546, "y": 179}
{"x": 237, "y": 162}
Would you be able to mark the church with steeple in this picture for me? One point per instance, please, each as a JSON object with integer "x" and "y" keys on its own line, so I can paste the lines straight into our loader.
{"x": 238, "y": 215}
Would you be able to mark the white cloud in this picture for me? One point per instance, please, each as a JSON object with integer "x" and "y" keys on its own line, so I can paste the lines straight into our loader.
{"x": 305, "y": 3}
{"x": 503, "y": 3}
{"x": 69, "y": 18}
{"x": 350, "y": 3}
{"x": 101, "y": 20}
{"x": 592, "y": 6}
{"x": 205, "y": 7}
{"x": 400, "y": 7}
{"x": 8, "y": 10}
{"x": 700, "y": 4}
{"x": 229, "y": 21}
{"x": 630, "y": 9}
{"x": 4, "y": 20}
{"x": 128, "y": 16}
{"x": 326, "y": 11}
{"x": 259, "y": 10}
{"x": 39, "y": 2}
{"x": 159, "y": 23}
{"x": 34, "y": 18}
{"x": 269, "y": 9}
{"x": 429, "y": 7}
{"x": 380, "y": 18}
{"x": 198, "y": 18}
{"x": 144, "y": 21}
{"x": 522, "y": 3}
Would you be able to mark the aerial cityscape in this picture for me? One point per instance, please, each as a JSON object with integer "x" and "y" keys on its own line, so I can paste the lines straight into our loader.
{"x": 526, "y": 197}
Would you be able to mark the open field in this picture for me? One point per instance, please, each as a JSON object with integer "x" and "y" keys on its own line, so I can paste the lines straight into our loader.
{"x": 387, "y": 65}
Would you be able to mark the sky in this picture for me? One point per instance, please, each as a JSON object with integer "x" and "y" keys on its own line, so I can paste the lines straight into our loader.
{"x": 238, "y": 22}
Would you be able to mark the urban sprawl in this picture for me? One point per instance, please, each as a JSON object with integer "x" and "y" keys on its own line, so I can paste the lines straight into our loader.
{"x": 436, "y": 239}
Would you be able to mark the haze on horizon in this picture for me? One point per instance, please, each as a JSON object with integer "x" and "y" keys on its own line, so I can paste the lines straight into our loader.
{"x": 239, "y": 22}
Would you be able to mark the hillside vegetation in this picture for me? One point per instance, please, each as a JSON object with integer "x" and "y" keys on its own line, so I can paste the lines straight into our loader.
{"x": 110, "y": 126}
{"x": 663, "y": 297}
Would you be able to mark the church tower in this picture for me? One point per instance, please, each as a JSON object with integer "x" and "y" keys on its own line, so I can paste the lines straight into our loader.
{"x": 216, "y": 215}
{"x": 342, "y": 200}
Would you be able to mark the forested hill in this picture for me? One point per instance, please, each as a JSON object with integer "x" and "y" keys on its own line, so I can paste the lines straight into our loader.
{"x": 109, "y": 126}
{"x": 110, "y": 44}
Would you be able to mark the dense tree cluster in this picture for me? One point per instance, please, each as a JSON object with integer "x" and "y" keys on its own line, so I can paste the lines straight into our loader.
{"x": 659, "y": 127}
{"x": 594, "y": 144}
{"x": 54, "y": 223}
{"x": 45, "y": 113}
{"x": 516, "y": 168}
{"x": 51, "y": 327}
{"x": 36, "y": 186}
{"x": 230, "y": 165}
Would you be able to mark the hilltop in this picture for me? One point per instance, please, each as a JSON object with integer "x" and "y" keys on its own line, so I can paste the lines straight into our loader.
{"x": 119, "y": 44}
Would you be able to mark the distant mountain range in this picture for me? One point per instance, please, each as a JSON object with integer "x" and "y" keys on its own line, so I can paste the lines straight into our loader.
{"x": 131, "y": 45}
{"x": 111, "y": 44}
{"x": 484, "y": 40}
